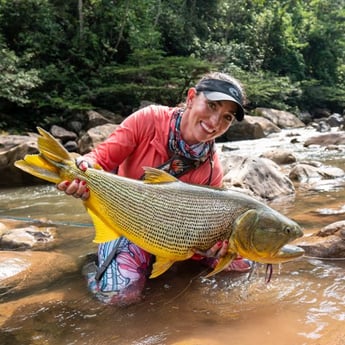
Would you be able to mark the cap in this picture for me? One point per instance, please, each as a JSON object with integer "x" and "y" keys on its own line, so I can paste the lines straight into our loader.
{"x": 222, "y": 90}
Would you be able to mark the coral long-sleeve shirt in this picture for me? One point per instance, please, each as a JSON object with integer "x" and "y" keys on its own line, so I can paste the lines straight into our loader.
{"x": 141, "y": 140}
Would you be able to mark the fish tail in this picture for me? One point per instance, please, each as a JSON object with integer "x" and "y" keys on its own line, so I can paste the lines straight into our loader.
{"x": 48, "y": 163}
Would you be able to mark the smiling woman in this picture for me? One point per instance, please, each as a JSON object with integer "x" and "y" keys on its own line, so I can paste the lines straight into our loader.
{"x": 178, "y": 140}
{"x": 212, "y": 106}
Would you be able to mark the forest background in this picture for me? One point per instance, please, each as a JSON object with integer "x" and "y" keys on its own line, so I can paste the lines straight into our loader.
{"x": 62, "y": 57}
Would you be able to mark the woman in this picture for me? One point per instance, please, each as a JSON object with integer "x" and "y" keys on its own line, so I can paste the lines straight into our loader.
{"x": 178, "y": 140}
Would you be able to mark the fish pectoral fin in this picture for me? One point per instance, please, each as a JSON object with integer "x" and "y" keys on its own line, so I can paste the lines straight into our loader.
{"x": 153, "y": 175}
{"x": 103, "y": 232}
{"x": 160, "y": 266}
{"x": 223, "y": 263}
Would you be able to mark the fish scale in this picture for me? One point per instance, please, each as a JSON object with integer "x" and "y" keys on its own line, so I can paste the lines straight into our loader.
{"x": 167, "y": 217}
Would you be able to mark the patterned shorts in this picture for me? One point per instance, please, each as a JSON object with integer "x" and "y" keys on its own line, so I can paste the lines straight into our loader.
{"x": 124, "y": 279}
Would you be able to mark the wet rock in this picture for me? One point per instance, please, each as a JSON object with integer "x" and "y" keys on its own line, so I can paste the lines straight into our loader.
{"x": 260, "y": 176}
{"x": 336, "y": 120}
{"x": 329, "y": 242}
{"x": 280, "y": 156}
{"x": 20, "y": 271}
{"x": 322, "y": 126}
{"x": 30, "y": 237}
{"x": 336, "y": 138}
{"x": 227, "y": 148}
{"x": 303, "y": 172}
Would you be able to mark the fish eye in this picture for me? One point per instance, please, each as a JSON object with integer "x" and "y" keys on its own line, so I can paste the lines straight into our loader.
{"x": 288, "y": 230}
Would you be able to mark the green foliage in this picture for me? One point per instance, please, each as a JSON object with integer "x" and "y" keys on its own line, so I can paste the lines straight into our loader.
{"x": 326, "y": 41}
{"x": 267, "y": 90}
{"x": 59, "y": 57}
{"x": 316, "y": 95}
{"x": 147, "y": 76}
{"x": 15, "y": 79}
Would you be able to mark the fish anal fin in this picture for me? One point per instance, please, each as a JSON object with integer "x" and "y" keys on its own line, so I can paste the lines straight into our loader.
{"x": 103, "y": 231}
{"x": 223, "y": 263}
{"x": 153, "y": 175}
{"x": 160, "y": 266}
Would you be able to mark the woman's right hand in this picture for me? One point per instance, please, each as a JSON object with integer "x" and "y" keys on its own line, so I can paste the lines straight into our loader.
{"x": 77, "y": 188}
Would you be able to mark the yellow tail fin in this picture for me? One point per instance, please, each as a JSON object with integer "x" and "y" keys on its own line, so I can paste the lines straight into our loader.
{"x": 45, "y": 165}
{"x": 50, "y": 148}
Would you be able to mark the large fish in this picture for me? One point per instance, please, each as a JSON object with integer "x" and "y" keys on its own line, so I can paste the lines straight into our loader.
{"x": 167, "y": 217}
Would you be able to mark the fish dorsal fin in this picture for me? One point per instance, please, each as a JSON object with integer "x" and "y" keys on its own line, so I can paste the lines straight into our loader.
{"x": 153, "y": 175}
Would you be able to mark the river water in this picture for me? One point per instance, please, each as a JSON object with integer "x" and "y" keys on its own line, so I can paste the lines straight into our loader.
{"x": 304, "y": 304}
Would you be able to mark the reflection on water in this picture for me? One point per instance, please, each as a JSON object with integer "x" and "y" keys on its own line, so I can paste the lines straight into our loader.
{"x": 304, "y": 304}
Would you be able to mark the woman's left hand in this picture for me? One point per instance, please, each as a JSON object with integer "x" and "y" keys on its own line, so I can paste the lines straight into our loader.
{"x": 217, "y": 251}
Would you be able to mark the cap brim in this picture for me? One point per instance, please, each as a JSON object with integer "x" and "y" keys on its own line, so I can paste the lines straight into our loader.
{"x": 219, "y": 96}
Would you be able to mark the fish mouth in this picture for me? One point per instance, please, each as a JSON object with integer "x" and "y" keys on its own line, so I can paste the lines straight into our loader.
{"x": 286, "y": 253}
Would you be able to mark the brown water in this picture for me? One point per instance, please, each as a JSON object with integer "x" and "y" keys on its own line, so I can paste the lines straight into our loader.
{"x": 304, "y": 304}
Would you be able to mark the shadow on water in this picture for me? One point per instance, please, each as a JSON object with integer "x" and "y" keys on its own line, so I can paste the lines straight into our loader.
{"x": 304, "y": 304}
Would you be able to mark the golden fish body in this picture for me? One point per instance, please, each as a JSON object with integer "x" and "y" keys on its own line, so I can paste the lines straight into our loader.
{"x": 167, "y": 217}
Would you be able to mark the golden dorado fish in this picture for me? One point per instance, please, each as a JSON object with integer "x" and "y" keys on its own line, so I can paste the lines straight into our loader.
{"x": 169, "y": 218}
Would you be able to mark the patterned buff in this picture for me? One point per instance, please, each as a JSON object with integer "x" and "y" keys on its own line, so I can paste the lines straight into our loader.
{"x": 184, "y": 157}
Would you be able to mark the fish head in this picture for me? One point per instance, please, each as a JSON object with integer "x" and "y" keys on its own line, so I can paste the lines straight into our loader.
{"x": 262, "y": 235}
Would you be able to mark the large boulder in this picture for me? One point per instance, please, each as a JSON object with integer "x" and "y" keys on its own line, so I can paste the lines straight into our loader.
{"x": 329, "y": 242}
{"x": 94, "y": 136}
{"x": 12, "y": 148}
{"x": 243, "y": 130}
{"x": 280, "y": 156}
{"x": 22, "y": 271}
{"x": 63, "y": 134}
{"x": 95, "y": 119}
{"x": 267, "y": 126}
{"x": 260, "y": 177}
{"x": 282, "y": 119}
{"x": 314, "y": 172}
{"x": 252, "y": 127}
{"x": 26, "y": 237}
{"x": 334, "y": 138}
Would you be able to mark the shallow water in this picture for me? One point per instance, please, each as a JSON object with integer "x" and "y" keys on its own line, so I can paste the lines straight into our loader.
{"x": 304, "y": 304}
